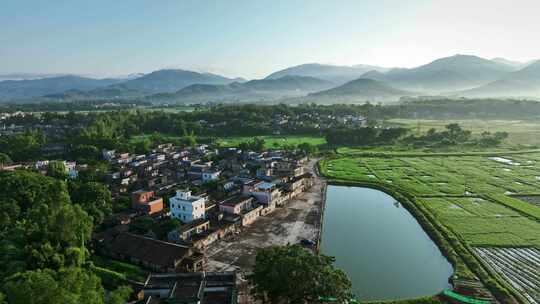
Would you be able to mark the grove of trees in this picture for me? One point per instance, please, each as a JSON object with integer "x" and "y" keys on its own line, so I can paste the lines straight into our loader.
{"x": 292, "y": 274}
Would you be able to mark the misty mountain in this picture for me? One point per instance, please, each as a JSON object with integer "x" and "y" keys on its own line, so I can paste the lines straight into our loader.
{"x": 337, "y": 74}
{"x": 173, "y": 80}
{"x": 262, "y": 89}
{"x": 522, "y": 83}
{"x": 112, "y": 91}
{"x": 514, "y": 64}
{"x": 39, "y": 87}
{"x": 458, "y": 72}
{"x": 362, "y": 89}
{"x": 139, "y": 85}
{"x": 28, "y": 76}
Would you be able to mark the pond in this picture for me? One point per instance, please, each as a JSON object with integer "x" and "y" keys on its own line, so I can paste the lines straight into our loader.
{"x": 380, "y": 245}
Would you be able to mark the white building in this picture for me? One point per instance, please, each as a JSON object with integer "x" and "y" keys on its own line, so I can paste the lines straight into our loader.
{"x": 187, "y": 207}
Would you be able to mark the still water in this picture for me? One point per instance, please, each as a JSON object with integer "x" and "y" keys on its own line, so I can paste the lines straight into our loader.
{"x": 380, "y": 245}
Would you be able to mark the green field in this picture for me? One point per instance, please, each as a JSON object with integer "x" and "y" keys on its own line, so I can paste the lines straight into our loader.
{"x": 275, "y": 141}
{"x": 520, "y": 132}
{"x": 471, "y": 195}
{"x": 167, "y": 137}
{"x": 270, "y": 142}
{"x": 472, "y": 201}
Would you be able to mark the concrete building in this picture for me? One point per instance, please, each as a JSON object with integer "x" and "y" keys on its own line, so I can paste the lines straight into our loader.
{"x": 200, "y": 287}
{"x": 210, "y": 175}
{"x": 146, "y": 201}
{"x": 187, "y": 207}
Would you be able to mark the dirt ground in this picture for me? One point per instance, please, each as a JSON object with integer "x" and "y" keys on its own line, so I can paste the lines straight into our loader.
{"x": 298, "y": 219}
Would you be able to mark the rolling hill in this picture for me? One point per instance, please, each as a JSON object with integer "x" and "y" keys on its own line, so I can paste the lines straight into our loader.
{"x": 12, "y": 89}
{"x": 522, "y": 83}
{"x": 362, "y": 89}
{"x": 135, "y": 85}
{"x": 262, "y": 89}
{"x": 173, "y": 80}
{"x": 458, "y": 72}
{"x": 108, "y": 92}
{"x": 333, "y": 73}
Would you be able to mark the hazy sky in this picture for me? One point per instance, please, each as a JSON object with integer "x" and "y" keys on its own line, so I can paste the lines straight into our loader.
{"x": 252, "y": 38}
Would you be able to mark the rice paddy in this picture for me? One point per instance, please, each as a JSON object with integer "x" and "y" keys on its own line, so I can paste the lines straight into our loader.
{"x": 488, "y": 202}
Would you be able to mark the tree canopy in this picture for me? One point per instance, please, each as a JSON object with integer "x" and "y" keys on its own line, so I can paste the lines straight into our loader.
{"x": 292, "y": 274}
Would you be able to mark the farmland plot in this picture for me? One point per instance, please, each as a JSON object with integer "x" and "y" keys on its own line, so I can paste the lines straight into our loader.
{"x": 486, "y": 202}
{"x": 519, "y": 266}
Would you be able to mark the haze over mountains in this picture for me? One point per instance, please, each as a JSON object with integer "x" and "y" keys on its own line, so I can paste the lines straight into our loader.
{"x": 333, "y": 73}
{"x": 361, "y": 89}
{"x": 459, "y": 75}
{"x": 262, "y": 89}
{"x": 525, "y": 82}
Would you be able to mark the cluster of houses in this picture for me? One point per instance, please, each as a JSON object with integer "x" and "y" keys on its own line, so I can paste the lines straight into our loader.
{"x": 233, "y": 188}
{"x": 317, "y": 120}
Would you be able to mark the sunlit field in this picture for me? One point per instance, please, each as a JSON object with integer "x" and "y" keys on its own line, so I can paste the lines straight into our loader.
{"x": 521, "y": 132}
{"x": 482, "y": 202}
{"x": 274, "y": 141}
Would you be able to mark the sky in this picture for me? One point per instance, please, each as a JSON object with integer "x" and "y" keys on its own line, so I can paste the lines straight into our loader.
{"x": 253, "y": 38}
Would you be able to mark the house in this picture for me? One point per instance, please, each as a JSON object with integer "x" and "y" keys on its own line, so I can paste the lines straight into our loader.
{"x": 266, "y": 193}
{"x": 196, "y": 170}
{"x": 242, "y": 205}
{"x": 187, "y": 207}
{"x": 287, "y": 168}
{"x": 187, "y": 231}
{"x": 210, "y": 175}
{"x": 199, "y": 287}
{"x": 153, "y": 254}
{"x": 146, "y": 202}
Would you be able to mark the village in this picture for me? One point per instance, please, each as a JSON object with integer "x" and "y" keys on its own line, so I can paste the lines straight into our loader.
{"x": 217, "y": 196}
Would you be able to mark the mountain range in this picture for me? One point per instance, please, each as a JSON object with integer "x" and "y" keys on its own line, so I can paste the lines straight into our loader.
{"x": 333, "y": 73}
{"x": 459, "y": 75}
{"x": 44, "y": 86}
{"x": 262, "y": 89}
{"x": 454, "y": 73}
{"x": 522, "y": 83}
{"x": 362, "y": 89}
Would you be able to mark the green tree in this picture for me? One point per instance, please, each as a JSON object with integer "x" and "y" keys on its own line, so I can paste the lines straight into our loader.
{"x": 43, "y": 228}
{"x": 22, "y": 147}
{"x": 67, "y": 286}
{"x": 143, "y": 146}
{"x": 308, "y": 148}
{"x": 57, "y": 169}
{"x": 5, "y": 160}
{"x": 93, "y": 197}
{"x": 119, "y": 295}
{"x": 141, "y": 225}
{"x": 292, "y": 274}
{"x": 163, "y": 227}
{"x": 85, "y": 153}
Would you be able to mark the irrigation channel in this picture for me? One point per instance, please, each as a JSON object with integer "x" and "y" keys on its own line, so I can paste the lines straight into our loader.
{"x": 379, "y": 244}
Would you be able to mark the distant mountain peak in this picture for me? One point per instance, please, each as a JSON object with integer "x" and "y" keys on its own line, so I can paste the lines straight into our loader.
{"x": 334, "y": 73}
{"x": 363, "y": 89}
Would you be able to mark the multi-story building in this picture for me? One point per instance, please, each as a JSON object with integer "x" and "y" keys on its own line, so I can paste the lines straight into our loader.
{"x": 187, "y": 207}
{"x": 146, "y": 201}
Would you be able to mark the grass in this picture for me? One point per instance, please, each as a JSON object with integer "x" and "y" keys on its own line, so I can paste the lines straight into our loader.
{"x": 125, "y": 270}
{"x": 274, "y": 141}
{"x": 138, "y": 138}
{"x": 466, "y": 187}
{"x": 521, "y": 132}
